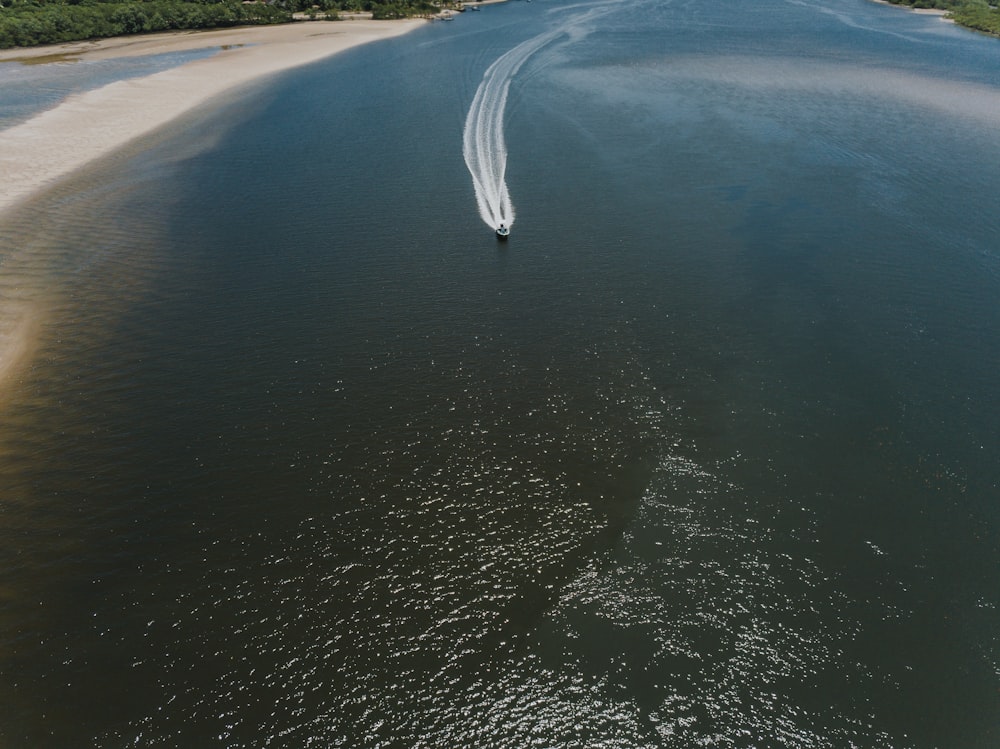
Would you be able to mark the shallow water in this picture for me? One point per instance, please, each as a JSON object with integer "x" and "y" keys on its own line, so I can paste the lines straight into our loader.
{"x": 28, "y": 88}
{"x": 704, "y": 455}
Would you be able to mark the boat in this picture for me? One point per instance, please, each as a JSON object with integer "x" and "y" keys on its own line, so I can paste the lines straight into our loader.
{"x": 503, "y": 231}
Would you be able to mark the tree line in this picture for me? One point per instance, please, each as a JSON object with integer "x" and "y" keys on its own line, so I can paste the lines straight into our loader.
{"x": 26, "y": 23}
{"x": 975, "y": 14}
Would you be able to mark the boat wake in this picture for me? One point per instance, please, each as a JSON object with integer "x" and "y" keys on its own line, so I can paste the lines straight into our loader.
{"x": 483, "y": 141}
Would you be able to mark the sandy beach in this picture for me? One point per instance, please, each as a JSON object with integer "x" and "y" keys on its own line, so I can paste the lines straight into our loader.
{"x": 86, "y": 127}
{"x": 925, "y": 11}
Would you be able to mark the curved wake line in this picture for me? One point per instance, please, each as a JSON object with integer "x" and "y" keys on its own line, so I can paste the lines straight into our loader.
{"x": 483, "y": 143}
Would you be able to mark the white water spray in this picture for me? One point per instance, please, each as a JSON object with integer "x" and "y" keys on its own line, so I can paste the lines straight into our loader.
{"x": 483, "y": 143}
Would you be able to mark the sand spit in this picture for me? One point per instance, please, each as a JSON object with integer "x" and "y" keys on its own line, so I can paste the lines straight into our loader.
{"x": 88, "y": 126}
{"x": 38, "y": 153}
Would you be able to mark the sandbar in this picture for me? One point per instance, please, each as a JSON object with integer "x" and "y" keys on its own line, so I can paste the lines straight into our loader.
{"x": 88, "y": 126}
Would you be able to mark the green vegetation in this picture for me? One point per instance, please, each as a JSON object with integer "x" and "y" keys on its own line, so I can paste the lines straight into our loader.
{"x": 25, "y": 23}
{"x": 979, "y": 15}
{"x": 975, "y": 14}
{"x": 380, "y": 9}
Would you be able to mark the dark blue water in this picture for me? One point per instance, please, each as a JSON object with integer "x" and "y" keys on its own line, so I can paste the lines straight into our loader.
{"x": 704, "y": 455}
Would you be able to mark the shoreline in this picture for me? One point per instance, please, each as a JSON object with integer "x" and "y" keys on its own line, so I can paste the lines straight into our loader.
{"x": 55, "y": 144}
{"x": 85, "y": 127}
{"x": 922, "y": 11}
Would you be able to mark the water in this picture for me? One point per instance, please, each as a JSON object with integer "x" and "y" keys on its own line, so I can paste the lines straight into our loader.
{"x": 483, "y": 142}
{"x": 705, "y": 455}
{"x": 27, "y": 88}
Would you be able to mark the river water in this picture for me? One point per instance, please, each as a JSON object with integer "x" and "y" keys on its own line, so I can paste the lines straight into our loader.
{"x": 704, "y": 455}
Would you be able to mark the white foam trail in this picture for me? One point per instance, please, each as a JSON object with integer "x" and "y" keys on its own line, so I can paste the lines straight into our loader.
{"x": 483, "y": 142}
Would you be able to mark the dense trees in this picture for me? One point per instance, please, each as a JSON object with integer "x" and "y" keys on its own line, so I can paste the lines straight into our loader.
{"x": 378, "y": 8}
{"x": 976, "y": 14}
{"x": 29, "y": 22}
{"x": 24, "y": 23}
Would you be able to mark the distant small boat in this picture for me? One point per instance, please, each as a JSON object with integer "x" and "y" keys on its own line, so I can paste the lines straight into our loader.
{"x": 503, "y": 231}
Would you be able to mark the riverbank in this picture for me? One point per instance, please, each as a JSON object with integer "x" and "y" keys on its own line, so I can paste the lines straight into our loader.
{"x": 84, "y": 128}
{"x": 975, "y": 16}
{"x": 925, "y": 11}
{"x": 88, "y": 126}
